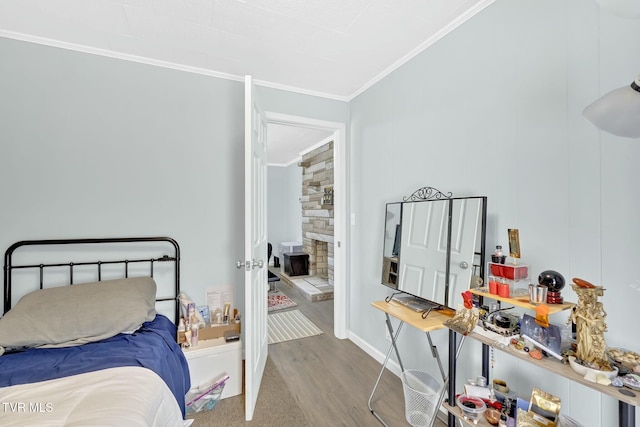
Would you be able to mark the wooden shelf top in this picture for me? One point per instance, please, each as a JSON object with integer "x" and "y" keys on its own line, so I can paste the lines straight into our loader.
{"x": 557, "y": 367}
{"x": 523, "y": 301}
{"x": 433, "y": 322}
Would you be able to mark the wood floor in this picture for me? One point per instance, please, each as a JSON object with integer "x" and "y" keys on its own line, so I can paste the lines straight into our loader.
{"x": 332, "y": 379}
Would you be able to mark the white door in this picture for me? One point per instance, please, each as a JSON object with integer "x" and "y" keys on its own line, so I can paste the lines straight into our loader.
{"x": 424, "y": 237}
{"x": 255, "y": 248}
{"x": 465, "y": 235}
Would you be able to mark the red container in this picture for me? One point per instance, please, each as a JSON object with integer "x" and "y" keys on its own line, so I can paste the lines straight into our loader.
{"x": 503, "y": 290}
{"x": 496, "y": 269}
{"x": 493, "y": 287}
{"x": 515, "y": 272}
{"x": 509, "y": 271}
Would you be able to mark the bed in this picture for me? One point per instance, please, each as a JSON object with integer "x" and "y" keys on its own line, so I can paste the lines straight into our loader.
{"x": 101, "y": 351}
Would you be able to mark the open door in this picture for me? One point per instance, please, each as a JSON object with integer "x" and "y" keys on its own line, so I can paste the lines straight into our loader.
{"x": 255, "y": 244}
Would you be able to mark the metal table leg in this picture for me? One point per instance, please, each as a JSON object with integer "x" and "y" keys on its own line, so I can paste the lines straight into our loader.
{"x": 436, "y": 355}
{"x": 454, "y": 352}
{"x": 393, "y": 346}
{"x": 626, "y": 415}
{"x": 434, "y": 351}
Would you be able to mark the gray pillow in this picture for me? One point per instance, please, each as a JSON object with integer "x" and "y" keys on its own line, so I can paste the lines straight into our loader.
{"x": 78, "y": 314}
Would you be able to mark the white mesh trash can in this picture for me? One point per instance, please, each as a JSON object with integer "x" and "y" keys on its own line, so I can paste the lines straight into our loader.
{"x": 421, "y": 395}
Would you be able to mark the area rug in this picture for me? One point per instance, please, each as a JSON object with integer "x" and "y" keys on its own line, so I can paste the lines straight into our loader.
{"x": 278, "y": 301}
{"x": 290, "y": 325}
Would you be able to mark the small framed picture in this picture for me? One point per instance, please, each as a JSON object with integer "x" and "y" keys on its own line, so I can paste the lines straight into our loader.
{"x": 514, "y": 243}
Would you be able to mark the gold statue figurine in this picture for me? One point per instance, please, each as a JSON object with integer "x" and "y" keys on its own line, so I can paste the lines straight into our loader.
{"x": 589, "y": 317}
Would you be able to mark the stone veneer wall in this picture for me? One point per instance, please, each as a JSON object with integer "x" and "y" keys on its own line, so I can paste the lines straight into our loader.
{"x": 317, "y": 219}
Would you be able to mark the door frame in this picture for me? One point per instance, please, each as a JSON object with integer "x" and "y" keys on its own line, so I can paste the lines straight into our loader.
{"x": 341, "y": 284}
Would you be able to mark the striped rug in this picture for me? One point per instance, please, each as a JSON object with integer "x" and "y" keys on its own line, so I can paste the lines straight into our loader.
{"x": 290, "y": 325}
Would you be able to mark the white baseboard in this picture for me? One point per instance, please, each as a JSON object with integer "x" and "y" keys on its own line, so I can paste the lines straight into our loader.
{"x": 392, "y": 364}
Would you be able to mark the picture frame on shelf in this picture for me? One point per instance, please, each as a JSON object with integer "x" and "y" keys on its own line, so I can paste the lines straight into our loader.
{"x": 514, "y": 242}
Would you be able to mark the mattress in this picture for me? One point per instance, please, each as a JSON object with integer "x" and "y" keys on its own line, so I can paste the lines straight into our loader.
{"x": 152, "y": 346}
{"x": 124, "y": 396}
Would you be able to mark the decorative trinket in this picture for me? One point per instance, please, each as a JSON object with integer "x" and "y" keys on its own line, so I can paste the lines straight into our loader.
{"x": 535, "y": 353}
{"x": 589, "y": 317}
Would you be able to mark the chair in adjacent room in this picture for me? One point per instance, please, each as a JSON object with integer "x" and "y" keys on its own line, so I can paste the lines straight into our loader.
{"x": 271, "y": 277}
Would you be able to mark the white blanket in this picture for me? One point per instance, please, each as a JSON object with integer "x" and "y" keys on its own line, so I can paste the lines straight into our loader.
{"x": 125, "y": 396}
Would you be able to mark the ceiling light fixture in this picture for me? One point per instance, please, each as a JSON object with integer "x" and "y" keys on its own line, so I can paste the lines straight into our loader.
{"x": 622, "y": 8}
{"x": 617, "y": 112}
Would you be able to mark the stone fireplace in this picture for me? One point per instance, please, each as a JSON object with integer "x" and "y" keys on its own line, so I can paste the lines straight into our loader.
{"x": 320, "y": 255}
{"x": 317, "y": 210}
{"x": 321, "y": 258}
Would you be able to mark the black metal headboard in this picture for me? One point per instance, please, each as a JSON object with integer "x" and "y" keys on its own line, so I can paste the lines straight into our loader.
{"x": 10, "y": 267}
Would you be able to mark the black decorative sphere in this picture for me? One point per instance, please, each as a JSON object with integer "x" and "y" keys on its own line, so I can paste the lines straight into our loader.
{"x": 553, "y": 280}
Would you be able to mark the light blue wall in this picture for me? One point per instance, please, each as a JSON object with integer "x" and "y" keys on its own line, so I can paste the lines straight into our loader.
{"x": 494, "y": 109}
{"x": 99, "y": 147}
{"x": 284, "y": 210}
{"x": 307, "y": 106}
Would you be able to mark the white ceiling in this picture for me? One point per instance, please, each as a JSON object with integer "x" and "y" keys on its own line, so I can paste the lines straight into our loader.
{"x": 288, "y": 143}
{"x": 329, "y": 48}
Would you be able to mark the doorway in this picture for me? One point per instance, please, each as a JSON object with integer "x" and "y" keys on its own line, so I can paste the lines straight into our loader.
{"x": 336, "y": 132}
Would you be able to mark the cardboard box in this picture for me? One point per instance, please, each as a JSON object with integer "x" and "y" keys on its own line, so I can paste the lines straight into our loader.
{"x": 211, "y": 332}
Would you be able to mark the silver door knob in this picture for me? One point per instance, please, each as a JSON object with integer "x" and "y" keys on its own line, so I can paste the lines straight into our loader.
{"x": 464, "y": 265}
{"x": 248, "y": 265}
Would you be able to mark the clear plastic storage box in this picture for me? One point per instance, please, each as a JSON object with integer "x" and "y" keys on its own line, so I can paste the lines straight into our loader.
{"x": 508, "y": 280}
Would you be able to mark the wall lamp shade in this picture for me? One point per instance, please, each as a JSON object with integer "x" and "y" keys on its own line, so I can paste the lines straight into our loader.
{"x": 617, "y": 112}
{"x": 622, "y": 8}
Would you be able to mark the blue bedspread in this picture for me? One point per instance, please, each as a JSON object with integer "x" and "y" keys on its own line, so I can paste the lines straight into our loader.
{"x": 153, "y": 346}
